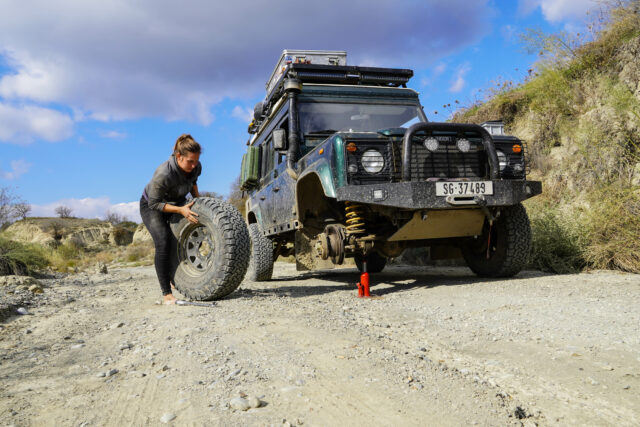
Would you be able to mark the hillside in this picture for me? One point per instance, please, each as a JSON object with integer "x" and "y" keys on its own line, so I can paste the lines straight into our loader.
{"x": 68, "y": 244}
{"x": 580, "y": 115}
{"x": 79, "y": 231}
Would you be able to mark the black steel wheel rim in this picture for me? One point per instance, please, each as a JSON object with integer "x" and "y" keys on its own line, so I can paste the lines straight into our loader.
{"x": 198, "y": 249}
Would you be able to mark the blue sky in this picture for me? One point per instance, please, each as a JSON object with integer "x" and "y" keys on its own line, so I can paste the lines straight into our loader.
{"x": 94, "y": 94}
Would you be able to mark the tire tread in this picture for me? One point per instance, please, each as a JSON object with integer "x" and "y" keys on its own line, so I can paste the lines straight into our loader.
{"x": 261, "y": 262}
{"x": 518, "y": 246}
{"x": 235, "y": 256}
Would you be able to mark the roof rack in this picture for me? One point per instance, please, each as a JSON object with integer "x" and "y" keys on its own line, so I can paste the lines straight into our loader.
{"x": 341, "y": 74}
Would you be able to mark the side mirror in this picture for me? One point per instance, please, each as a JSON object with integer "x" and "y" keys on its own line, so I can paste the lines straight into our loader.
{"x": 279, "y": 140}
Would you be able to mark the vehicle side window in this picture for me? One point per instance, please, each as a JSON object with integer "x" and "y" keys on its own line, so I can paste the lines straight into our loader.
{"x": 267, "y": 157}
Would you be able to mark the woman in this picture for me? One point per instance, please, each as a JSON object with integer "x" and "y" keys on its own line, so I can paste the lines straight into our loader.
{"x": 164, "y": 196}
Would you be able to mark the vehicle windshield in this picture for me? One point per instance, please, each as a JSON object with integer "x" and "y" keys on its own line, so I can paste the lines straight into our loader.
{"x": 330, "y": 117}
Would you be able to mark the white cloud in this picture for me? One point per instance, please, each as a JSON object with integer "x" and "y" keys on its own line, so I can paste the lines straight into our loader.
{"x": 119, "y": 60}
{"x": 435, "y": 73}
{"x": 459, "y": 81}
{"x": 508, "y": 33}
{"x": 243, "y": 113}
{"x": 112, "y": 134}
{"x": 439, "y": 69}
{"x": 18, "y": 168}
{"x": 20, "y": 125}
{"x": 89, "y": 208}
{"x": 560, "y": 10}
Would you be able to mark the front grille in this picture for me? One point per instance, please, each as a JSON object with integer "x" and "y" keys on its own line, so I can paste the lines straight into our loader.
{"x": 447, "y": 162}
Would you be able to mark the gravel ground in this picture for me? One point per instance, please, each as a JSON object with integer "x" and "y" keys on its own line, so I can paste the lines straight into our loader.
{"x": 435, "y": 346}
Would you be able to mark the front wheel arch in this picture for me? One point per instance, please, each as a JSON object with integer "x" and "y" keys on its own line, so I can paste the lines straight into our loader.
{"x": 311, "y": 197}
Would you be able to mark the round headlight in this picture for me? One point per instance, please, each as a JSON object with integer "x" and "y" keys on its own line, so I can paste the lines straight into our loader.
{"x": 372, "y": 161}
{"x": 463, "y": 145}
{"x": 502, "y": 160}
{"x": 431, "y": 144}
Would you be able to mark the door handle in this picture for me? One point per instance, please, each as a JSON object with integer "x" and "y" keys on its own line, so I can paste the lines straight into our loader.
{"x": 276, "y": 189}
{"x": 262, "y": 197}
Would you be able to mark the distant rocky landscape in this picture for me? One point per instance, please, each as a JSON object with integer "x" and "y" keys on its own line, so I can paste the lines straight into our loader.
{"x": 79, "y": 231}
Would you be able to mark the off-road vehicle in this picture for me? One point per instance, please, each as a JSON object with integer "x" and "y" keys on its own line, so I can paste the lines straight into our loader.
{"x": 342, "y": 162}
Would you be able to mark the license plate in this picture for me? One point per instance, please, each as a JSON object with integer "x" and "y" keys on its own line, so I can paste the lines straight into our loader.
{"x": 467, "y": 188}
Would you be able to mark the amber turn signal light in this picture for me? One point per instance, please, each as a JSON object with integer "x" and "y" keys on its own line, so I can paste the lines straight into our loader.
{"x": 517, "y": 148}
{"x": 351, "y": 147}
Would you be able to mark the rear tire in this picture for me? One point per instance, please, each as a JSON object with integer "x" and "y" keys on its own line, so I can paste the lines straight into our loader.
{"x": 375, "y": 262}
{"x": 261, "y": 261}
{"x": 510, "y": 245}
{"x": 213, "y": 255}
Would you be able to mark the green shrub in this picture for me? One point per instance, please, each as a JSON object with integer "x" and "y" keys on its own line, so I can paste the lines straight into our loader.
{"x": 121, "y": 235}
{"x": 129, "y": 225}
{"x": 21, "y": 258}
{"x": 558, "y": 245}
{"x": 613, "y": 225}
{"x": 68, "y": 251}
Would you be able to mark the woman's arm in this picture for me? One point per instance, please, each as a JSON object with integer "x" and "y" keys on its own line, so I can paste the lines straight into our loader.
{"x": 185, "y": 211}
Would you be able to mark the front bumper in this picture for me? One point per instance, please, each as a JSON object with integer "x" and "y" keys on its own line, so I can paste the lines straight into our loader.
{"x": 422, "y": 195}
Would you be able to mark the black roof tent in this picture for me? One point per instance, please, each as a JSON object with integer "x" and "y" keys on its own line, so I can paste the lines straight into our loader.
{"x": 342, "y": 75}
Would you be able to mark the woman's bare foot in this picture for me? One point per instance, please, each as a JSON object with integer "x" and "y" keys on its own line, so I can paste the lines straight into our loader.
{"x": 169, "y": 299}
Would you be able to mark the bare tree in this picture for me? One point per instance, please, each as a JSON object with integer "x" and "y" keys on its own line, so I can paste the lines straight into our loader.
{"x": 211, "y": 194}
{"x": 115, "y": 218}
{"x": 22, "y": 210}
{"x": 6, "y": 199}
{"x": 8, "y": 203}
{"x": 63, "y": 211}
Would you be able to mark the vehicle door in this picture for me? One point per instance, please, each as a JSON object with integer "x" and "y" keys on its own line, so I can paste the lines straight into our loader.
{"x": 264, "y": 196}
{"x": 283, "y": 189}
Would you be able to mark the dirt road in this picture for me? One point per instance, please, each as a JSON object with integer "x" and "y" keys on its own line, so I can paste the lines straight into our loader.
{"x": 435, "y": 347}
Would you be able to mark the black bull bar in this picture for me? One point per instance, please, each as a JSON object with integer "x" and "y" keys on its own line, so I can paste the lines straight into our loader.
{"x": 421, "y": 195}
{"x": 460, "y": 129}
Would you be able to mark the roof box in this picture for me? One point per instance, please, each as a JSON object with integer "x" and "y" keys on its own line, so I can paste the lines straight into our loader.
{"x": 318, "y": 57}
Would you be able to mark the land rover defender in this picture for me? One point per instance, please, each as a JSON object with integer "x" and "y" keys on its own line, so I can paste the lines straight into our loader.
{"x": 343, "y": 162}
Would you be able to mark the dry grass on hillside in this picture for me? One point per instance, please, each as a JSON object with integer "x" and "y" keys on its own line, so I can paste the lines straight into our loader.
{"x": 580, "y": 113}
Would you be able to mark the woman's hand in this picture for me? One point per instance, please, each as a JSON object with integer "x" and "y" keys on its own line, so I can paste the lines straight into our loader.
{"x": 188, "y": 213}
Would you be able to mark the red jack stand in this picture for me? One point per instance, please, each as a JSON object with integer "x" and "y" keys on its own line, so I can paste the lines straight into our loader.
{"x": 363, "y": 284}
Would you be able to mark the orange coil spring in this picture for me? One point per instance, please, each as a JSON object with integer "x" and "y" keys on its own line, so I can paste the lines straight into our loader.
{"x": 355, "y": 222}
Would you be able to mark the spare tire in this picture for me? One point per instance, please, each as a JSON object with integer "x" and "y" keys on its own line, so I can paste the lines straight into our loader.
{"x": 212, "y": 256}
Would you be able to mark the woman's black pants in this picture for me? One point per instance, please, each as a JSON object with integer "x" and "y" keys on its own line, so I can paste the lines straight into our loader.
{"x": 165, "y": 243}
